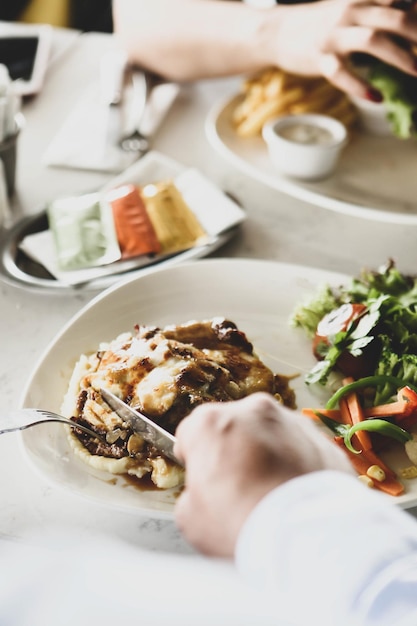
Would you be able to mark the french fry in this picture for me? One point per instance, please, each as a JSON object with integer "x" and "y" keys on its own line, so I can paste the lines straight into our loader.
{"x": 253, "y": 124}
{"x": 290, "y": 80}
{"x": 273, "y": 89}
{"x": 313, "y": 105}
{"x": 349, "y": 118}
{"x": 322, "y": 94}
{"x": 340, "y": 108}
{"x": 246, "y": 108}
{"x": 273, "y": 92}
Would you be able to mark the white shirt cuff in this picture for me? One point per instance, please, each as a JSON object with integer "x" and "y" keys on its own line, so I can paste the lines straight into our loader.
{"x": 322, "y": 543}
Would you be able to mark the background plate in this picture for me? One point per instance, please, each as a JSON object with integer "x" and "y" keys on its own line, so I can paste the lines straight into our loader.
{"x": 376, "y": 177}
{"x": 260, "y": 305}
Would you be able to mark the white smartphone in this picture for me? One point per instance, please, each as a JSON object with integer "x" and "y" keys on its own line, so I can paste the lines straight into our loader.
{"x": 24, "y": 50}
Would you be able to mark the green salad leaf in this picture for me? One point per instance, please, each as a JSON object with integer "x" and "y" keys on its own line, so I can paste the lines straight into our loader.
{"x": 307, "y": 316}
{"x": 389, "y": 324}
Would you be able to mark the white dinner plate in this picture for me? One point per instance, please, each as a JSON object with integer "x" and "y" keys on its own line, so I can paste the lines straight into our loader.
{"x": 259, "y": 296}
{"x": 376, "y": 177}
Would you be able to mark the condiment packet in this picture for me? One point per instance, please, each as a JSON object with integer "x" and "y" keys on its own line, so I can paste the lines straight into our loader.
{"x": 134, "y": 229}
{"x": 209, "y": 206}
{"x": 215, "y": 211}
{"x": 176, "y": 226}
{"x": 41, "y": 248}
{"x": 83, "y": 231}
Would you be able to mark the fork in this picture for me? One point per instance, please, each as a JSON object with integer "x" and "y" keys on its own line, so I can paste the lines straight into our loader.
{"x": 137, "y": 141}
{"x": 26, "y": 418}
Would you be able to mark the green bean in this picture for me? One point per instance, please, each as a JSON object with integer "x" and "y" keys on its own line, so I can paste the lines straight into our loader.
{"x": 368, "y": 381}
{"x": 383, "y": 427}
{"x": 376, "y": 426}
{"x": 336, "y": 427}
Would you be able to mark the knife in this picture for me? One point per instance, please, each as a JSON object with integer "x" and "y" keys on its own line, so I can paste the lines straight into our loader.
{"x": 152, "y": 99}
{"x": 135, "y": 140}
{"x": 112, "y": 75}
{"x": 143, "y": 426}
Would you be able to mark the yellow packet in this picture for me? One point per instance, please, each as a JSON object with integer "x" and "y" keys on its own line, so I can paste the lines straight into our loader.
{"x": 176, "y": 226}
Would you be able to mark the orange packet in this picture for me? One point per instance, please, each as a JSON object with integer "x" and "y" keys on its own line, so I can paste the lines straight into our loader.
{"x": 134, "y": 229}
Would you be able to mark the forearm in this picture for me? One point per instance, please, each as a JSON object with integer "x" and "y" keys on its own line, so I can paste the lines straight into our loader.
{"x": 189, "y": 39}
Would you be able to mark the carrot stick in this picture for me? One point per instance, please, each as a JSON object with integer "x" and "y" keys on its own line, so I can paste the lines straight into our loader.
{"x": 357, "y": 415}
{"x": 407, "y": 422}
{"x": 405, "y": 405}
{"x": 363, "y": 461}
{"x": 345, "y": 413}
{"x": 346, "y": 417}
{"x": 334, "y": 414}
{"x": 354, "y": 409}
{"x": 369, "y": 455}
{"x": 385, "y": 410}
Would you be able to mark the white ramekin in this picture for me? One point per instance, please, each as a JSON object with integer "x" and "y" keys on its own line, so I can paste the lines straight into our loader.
{"x": 307, "y": 161}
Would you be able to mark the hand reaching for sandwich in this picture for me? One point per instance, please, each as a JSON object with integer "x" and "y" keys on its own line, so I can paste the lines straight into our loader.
{"x": 320, "y": 38}
{"x": 235, "y": 453}
{"x": 230, "y": 38}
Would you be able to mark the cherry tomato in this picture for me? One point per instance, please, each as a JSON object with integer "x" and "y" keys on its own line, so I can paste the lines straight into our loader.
{"x": 339, "y": 319}
{"x": 335, "y": 322}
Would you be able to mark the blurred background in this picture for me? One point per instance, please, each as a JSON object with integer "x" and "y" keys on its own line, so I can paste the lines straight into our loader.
{"x": 84, "y": 15}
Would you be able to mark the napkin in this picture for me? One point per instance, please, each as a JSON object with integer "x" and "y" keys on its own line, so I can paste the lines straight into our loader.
{"x": 84, "y": 141}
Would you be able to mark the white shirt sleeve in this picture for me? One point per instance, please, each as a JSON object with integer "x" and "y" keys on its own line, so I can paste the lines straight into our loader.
{"x": 333, "y": 552}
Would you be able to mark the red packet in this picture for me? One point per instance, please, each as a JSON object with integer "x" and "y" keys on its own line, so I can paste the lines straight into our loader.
{"x": 134, "y": 229}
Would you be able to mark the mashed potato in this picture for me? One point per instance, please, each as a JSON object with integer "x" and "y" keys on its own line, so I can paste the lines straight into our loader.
{"x": 164, "y": 373}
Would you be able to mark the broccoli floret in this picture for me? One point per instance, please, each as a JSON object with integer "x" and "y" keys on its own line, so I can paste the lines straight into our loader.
{"x": 391, "y": 363}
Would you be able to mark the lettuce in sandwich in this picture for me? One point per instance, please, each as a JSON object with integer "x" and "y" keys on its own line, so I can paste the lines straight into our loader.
{"x": 399, "y": 92}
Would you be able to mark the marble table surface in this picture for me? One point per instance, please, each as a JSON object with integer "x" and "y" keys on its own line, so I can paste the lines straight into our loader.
{"x": 278, "y": 227}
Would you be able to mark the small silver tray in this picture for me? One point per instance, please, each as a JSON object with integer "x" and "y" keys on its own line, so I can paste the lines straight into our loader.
{"x": 19, "y": 269}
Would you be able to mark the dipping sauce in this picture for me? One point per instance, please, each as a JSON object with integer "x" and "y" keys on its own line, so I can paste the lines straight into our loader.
{"x": 306, "y": 134}
{"x": 305, "y": 146}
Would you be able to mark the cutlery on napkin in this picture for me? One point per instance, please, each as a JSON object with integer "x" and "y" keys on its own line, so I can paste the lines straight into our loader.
{"x": 91, "y": 135}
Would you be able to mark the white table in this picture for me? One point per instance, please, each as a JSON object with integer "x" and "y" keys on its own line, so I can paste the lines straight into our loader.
{"x": 278, "y": 227}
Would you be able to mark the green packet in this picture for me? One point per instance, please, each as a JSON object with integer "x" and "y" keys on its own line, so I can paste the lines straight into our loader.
{"x": 83, "y": 231}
